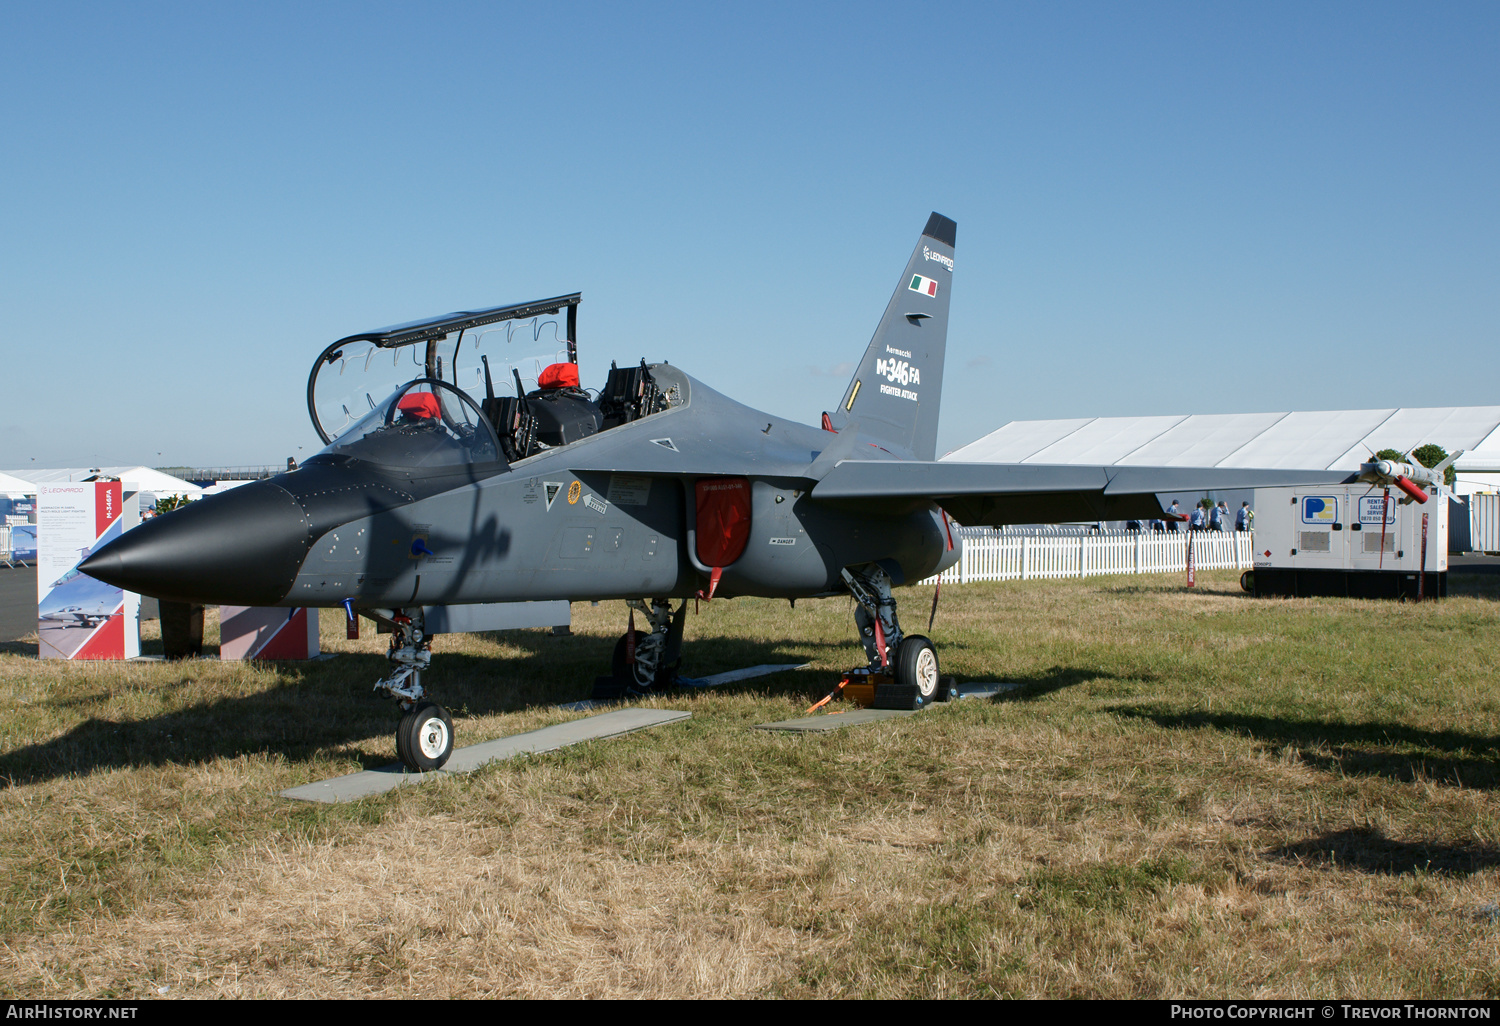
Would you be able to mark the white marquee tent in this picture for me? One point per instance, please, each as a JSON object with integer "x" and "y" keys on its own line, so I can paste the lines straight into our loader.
{"x": 144, "y": 478}
{"x": 17, "y": 486}
{"x": 1328, "y": 440}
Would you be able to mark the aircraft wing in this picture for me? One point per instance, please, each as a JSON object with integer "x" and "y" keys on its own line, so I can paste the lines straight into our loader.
{"x": 994, "y": 494}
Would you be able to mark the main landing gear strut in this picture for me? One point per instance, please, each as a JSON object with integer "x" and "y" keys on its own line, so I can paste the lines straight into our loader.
{"x": 903, "y": 667}
{"x": 646, "y": 661}
{"x": 424, "y": 737}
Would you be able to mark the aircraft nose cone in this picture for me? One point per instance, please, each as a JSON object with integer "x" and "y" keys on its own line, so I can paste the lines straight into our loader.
{"x": 241, "y": 548}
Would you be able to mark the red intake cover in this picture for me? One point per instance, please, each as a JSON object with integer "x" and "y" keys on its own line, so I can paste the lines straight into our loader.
{"x": 723, "y": 519}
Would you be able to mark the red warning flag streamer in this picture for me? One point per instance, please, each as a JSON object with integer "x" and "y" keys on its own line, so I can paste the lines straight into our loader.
{"x": 938, "y": 589}
{"x": 1385, "y": 512}
{"x": 1192, "y": 570}
{"x": 1422, "y": 571}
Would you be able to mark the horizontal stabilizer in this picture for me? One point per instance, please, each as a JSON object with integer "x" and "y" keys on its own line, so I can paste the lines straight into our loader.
{"x": 994, "y": 494}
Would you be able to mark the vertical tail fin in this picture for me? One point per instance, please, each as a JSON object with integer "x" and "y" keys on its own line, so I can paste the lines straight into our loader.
{"x": 898, "y": 384}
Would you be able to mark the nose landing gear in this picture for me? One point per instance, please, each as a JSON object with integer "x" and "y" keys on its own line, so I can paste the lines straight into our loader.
{"x": 424, "y": 737}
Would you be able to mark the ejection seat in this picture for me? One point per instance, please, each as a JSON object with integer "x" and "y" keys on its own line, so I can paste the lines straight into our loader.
{"x": 564, "y": 412}
{"x": 629, "y": 393}
{"x": 556, "y": 413}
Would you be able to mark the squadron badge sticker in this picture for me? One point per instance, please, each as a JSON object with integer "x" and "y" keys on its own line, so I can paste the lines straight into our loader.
{"x": 574, "y": 491}
{"x": 552, "y": 488}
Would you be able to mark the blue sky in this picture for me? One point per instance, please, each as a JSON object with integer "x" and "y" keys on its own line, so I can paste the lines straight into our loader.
{"x": 1161, "y": 207}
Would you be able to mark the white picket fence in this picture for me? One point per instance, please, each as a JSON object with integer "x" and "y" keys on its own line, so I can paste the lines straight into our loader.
{"x": 988, "y": 556}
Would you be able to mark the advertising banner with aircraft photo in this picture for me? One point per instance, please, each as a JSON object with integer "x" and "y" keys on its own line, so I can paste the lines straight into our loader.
{"x": 77, "y": 616}
{"x": 23, "y": 542}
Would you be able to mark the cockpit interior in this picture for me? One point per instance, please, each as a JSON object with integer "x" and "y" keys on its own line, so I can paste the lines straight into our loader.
{"x": 425, "y": 394}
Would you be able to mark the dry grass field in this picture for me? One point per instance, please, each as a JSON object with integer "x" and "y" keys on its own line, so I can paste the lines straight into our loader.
{"x": 1194, "y": 794}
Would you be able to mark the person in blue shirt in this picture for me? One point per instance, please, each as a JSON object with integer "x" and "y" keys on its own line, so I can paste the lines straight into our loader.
{"x": 1197, "y": 521}
{"x": 1244, "y": 518}
{"x": 1216, "y": 516}
{"x": 1173, "y": 516}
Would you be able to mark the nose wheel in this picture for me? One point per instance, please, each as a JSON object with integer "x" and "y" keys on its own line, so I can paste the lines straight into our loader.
{"x": 424, "y": 738}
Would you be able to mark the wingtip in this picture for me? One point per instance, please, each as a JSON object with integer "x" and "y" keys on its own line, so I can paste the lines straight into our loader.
{"x": 943, "y": 229}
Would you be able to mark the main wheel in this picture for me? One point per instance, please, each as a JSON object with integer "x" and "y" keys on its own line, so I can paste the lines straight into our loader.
{"x": 424, "y": 738}
{"x": 630, "y": 674}
{"x": 1247, "y": 581}
{"x": 624, "y": 670}
{"x": 917, "y": 666}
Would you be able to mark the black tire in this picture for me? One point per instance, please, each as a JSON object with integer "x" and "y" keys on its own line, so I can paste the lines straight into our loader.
{"x": 624, "y": 672}
{"x": 947, "y": 689}
{"x": 917, "y": 666}
{"x": 1247, "y": 581}
{"x": 424, "y": 737}
{"x": 666, "y": 676}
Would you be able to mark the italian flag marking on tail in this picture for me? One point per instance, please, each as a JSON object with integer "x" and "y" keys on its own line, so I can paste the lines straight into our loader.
{"x": 926, "y": 286}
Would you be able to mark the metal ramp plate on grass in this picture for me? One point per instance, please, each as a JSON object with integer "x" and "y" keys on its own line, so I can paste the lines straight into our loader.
{"x": 711, "y": 681}
{"x": 735, "y": 676}
{"x": 985, "y": 689}
{"x": 466, "y": 760}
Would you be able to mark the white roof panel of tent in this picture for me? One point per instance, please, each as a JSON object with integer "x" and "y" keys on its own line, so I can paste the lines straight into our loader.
{"x": 1310, "y": 440}
{"x": 10, "y": 484}
{"x": 1016, "y": 440}
{"x": 1201, "y": 440}
{"x": 1453, "y": 427}
{"x": 1485, "y": 456}
{"x": 1105, "y": 440}
{"x": 1306, "y": 440}
{"x": 145, "y": 478}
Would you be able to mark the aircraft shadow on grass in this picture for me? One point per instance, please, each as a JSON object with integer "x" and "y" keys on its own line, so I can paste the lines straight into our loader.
{"x": 323, "y": 707}
{"x": 1043, "y": 683}
{"x": 1368, "y": 850}
{"x": 1392, "y": 750}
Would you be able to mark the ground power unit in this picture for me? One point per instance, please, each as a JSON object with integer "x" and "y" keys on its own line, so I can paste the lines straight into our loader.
{"x": 1330, "y": 541}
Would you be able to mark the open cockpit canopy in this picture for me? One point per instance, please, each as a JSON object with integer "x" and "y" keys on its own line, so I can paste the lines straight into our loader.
{"x": 481, "y": 352}
{"x": 515, "y": 366}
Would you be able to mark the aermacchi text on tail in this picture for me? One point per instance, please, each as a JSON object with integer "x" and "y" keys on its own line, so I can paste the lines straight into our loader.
{"x": 436, "y": 490}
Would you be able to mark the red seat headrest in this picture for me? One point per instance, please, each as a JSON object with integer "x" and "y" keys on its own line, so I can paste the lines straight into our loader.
{"x": 419, "y": 404}
{"x": 559, "y": 375}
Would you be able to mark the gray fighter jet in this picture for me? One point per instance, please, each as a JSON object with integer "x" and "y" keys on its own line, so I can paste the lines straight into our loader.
{"x": 77, "y": 616}
{"x": 435, "y": 488}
